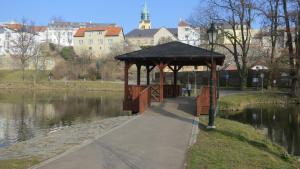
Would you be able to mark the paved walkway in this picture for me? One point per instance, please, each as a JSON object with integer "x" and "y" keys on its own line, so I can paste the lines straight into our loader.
{"x": 158, "y": 139}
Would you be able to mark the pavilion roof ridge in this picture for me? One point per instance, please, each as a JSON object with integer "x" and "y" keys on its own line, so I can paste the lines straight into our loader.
{"x": 172, "y": 51}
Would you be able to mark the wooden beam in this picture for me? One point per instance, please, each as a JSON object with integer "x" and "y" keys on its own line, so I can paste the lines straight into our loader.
{"x": 161, "y": 67}
{"x": 173, "y": 69}
{"x": 138, "y": 74}
{"x": 179, "y": 68}
{"x": 126, "y": 72}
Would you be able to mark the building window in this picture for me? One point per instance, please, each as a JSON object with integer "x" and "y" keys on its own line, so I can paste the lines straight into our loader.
{"x": 100, "y": 41}
{"x": 81, "y": 42}
{"x": 109, "y": 41}
{"x": 100, "y": 33}
{"x": 7, "y": 35}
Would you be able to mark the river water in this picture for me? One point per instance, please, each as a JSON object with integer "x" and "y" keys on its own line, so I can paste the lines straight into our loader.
{"x": 26, "y": 114}
{"x": 280, "y": 123}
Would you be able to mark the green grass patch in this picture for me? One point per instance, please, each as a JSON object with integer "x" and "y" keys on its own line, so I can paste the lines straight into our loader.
{"x": 238, "y": 102}
{"x": 17, "y": 75}
{"x": 236, "y": 146}
{"x": 22, "y": 163}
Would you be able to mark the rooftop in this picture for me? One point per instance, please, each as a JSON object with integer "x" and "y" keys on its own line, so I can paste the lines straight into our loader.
{"x": 148, "y": 33}
{"x": 173, "y": 53}
{"x": 110, "y": 31}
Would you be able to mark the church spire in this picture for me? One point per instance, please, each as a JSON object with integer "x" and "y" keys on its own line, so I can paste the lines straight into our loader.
{"x": 145, "y": 13}
{"x": 145, "y": 22}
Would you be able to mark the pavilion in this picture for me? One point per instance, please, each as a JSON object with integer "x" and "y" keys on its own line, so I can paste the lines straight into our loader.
{"x": 175, "y": 55}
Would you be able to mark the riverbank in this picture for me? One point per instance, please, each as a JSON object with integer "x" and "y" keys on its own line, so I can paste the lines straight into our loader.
{"x": 238, "y": 102}
{"x": 64, "y": 85}
{"x": 235, "y": 145}
{"x": 25, "y": 154}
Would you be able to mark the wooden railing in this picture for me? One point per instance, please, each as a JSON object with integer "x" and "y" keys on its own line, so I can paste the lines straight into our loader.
{"x": 144, "y": 100}
{"x": 202, "y": 101}
{"x": 138, "y": 99}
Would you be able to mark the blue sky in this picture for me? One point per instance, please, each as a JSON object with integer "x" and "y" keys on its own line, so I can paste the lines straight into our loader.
{"x": 125, "y": 13}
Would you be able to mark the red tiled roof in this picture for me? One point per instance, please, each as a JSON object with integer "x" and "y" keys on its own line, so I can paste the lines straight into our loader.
{"x": 183, "y": 23}
{"x": 14, "y": 26}
{"x": 80, "y": 32}
{"x": 110, "y": 31}
{"x": 113, "y": 31}
{"x": 39, "y": 28}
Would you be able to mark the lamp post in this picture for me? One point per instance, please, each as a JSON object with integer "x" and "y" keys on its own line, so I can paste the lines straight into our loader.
{"x": 212, "y": 35}
{"x": 262, "y": 75}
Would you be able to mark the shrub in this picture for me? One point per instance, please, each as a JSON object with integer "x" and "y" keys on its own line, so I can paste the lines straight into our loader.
{"x": 67, "y": 53}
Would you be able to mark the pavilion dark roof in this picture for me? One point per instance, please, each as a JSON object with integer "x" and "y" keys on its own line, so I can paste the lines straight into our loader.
{"x": 175, "y": 53}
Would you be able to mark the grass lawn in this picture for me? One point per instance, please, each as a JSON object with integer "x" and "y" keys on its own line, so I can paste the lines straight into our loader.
{"x": 12, "y": 79}
{"x": 235, "y": 145}
{"x": 240, "y": 101}
{"x": 23, "y": 163}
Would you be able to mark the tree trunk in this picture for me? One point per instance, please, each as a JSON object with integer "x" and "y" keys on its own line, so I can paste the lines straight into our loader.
{"x": 23, "y": 73}
{"x": 243, "y": 84}
{"x": 290, "y": 48}
{"x": 270, "y": 78}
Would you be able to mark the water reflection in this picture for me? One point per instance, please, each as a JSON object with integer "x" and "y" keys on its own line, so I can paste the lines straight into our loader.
{"x": 24, "y": 115}
{"x": 279, "y": 123}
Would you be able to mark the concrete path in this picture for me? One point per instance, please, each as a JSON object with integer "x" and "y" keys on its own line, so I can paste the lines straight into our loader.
{"x": 158, "y": 139}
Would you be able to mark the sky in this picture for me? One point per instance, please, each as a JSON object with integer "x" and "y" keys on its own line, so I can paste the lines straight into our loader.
{"x": 125, "y": 13}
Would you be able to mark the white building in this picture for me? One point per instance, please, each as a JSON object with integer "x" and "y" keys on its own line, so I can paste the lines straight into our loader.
{"x": 62, "y": 33}
{"x": 187, "y": 34}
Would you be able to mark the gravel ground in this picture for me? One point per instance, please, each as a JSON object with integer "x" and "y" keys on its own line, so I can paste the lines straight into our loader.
{"x": 58, "y": 141}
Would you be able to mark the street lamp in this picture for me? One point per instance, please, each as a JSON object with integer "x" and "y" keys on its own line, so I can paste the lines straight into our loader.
{"x": 212, "y": 36}
{"x": 262, "y": 75}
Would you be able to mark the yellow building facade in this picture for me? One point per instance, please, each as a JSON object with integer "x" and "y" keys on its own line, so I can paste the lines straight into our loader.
{"x": 98, "y": 42}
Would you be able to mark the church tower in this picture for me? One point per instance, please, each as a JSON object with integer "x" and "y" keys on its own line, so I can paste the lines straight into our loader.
{"x": 145, "y": 22}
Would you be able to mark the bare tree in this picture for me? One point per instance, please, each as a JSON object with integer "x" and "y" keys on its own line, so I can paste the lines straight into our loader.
{"x": 269, "y": 10}
{"x": 238, "y": 15}
{"x": 23, "y": 45}
{"x": 39, "y": 57}
{"x": 293, "y": 59}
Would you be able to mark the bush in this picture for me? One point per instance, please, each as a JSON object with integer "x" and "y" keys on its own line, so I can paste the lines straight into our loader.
{"x": 92, "y": 72}
{"x": 66, "y": 70}
{"x": 52, "y": 46}
{"x": 67, "y": 53}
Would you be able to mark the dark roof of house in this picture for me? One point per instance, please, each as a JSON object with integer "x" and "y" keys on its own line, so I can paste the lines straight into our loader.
{"x": 173, "y": 53}
{"x": 142, "y": 33}
{"x": 174, "y": 31}
{"x": 148, "y": 33}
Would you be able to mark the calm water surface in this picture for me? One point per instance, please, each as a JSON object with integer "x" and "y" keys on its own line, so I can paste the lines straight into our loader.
{"x": 281, "y": 124}
{"x": 24, "y": 115}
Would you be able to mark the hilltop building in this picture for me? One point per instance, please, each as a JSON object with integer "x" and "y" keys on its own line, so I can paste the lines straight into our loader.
{"x": 97, "y": 42}
{"x": 145, "y": 22}
{"x": 62, "y": 33}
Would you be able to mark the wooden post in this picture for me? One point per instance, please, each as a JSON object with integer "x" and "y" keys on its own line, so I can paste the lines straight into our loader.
{"x": 138, "y": 74}
{"x": 148, "y": 75}
{"x": 161, "y": 67}
{"x": 175, "y": 94}
{"x": 126, "y": 70}
{"x": 175, "y": 75}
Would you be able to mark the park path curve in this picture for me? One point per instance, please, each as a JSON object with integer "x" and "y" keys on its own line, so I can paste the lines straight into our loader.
{"x": 158, "y": 139}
